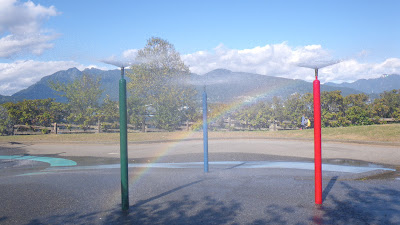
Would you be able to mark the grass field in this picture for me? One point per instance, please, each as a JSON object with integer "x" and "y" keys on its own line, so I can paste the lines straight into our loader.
{"x": 374, "y": 133}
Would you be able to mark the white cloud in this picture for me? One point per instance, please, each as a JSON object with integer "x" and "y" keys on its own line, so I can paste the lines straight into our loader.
{"x": 11, "y": 45}
{"x": 20, "y": 28}
{"x": 277, "y": 59}
{"x": 92, "y": 66}
{"x": 351, "y": 70}
{"x": 283, "y": 60}
{"x": 21, "y": 74}
{"x": 130, "y": 54}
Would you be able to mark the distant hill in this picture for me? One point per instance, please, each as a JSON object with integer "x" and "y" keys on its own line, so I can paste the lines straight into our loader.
{"x": 8, "y": 99}
{"x": 373, "y": 86}
{"x": 41, "y": 89}
{"x": 222, "y": 85}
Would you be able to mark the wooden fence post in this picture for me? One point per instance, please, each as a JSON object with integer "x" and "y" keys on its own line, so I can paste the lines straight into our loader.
{"x": 98, "y": 126}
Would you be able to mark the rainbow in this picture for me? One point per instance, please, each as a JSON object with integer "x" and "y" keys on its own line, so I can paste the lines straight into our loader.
{"x": 237, "y": 105}
{"x": 161, "y": 153}
{"x": 255, "y": 96}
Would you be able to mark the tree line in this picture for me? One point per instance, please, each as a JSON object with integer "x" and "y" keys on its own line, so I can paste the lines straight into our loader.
{"x": 159, "y": 95}
{"x": 336, "y": 110}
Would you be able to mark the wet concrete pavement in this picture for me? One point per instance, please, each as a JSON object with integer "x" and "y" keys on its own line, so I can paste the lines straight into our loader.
{"x": 379, "y": 154}
{"x": 251, "y": 186}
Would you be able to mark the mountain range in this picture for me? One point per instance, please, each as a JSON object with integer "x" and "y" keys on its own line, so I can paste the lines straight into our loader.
{"x": 373, "y": 86}
{"x": 41, "y": 89}
{"x": 221, "y": 85}
{"x": 224, "y": 86}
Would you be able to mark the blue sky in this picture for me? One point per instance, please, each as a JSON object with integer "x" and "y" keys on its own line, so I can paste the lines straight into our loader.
{"x": 40, "y": 37}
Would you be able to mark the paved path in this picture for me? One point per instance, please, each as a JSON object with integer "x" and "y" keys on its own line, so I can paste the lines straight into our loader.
{"x": 369, "y": 153}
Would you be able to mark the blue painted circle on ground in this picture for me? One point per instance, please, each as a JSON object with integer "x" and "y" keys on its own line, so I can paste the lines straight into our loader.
{"x": 50, "y": 160}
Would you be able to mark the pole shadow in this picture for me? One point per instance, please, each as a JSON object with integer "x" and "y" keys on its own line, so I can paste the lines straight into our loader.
{"x": 329, "y": 187}
{"x": 142, "y": 202}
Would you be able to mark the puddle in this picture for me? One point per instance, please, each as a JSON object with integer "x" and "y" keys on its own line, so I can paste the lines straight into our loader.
{"x": 351, "y": 162}
{"x": 310, "y": 166}
{"x": 244, "y": 165}
{"x": 394, "y": 174}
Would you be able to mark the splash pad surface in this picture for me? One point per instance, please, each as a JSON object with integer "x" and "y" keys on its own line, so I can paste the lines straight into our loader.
{"x": 250, "y": 181}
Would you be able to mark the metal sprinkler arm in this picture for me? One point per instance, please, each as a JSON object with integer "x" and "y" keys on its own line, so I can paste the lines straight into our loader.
{"x": 122, "y": 72}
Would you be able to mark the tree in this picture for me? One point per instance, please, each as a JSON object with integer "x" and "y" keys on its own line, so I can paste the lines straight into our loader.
{"x": 357, "y": 110}
{"x": 277, "y": 109}
{"x": 332, "y": 108}
{"x": 39, "y": 112}
{"x": 295, "y": 106}
{"x": 108, "y": 111}
{"x": 83, "y": 99}
{"x": 358, "y": 116}
{"x": 262, "y": 116}
{"x": 218, "y": 112}
{"x": 5, "y": 122}
{"x": 138, "y": 112}
{"x": 160, "y": 82}
{"x": 388, "y": 106}
{"x": 359, "y": 100}
{"x": 380, "y": 109}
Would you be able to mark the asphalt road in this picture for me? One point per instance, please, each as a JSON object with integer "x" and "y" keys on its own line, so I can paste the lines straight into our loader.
{"x": 250, "y": 182}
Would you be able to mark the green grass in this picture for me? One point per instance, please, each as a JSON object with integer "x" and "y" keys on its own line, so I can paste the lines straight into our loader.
{"x": 373, "y": 133}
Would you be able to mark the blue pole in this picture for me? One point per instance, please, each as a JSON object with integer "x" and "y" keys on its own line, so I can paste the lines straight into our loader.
{"x": 205, "y": 130}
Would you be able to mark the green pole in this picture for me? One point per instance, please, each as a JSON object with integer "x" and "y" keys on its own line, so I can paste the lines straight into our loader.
{"x": 123, "y": 142}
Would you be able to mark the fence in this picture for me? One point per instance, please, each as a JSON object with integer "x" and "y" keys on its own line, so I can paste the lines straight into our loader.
{"x": 114, "y": 127}
{"x": 56, "y": 128}
{"x": 79, "y": 129}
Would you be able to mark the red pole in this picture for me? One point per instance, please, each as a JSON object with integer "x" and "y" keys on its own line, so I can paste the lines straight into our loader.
{"x": 317, "y": 139}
